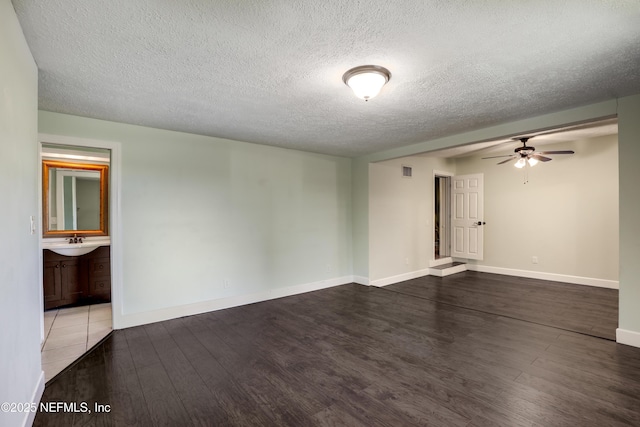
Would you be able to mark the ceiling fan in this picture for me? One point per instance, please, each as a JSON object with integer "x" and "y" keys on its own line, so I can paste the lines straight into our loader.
{"x": 527, "y": 154}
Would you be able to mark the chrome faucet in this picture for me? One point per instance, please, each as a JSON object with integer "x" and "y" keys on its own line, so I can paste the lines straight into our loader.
{"x": 75, "y": 239}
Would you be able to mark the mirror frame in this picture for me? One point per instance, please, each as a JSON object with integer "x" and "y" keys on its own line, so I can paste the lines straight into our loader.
{"x": 104, "y": 199}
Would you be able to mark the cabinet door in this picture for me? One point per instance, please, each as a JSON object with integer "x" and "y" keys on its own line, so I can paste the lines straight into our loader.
{"x": 72, "y": 289}
{"x": 52, "y": 284}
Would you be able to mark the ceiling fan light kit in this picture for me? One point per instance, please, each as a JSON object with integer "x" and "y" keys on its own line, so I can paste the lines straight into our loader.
{"x": 528, "y": 155}
{"x": 366, "y": 81}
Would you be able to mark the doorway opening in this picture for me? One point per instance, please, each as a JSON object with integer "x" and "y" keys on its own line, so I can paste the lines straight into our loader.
{"x": 442, "y": 216}
{"x": 76, "y": 280}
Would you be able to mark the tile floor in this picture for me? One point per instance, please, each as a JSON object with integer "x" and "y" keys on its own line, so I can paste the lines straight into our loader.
{"x": 70, "y": 332}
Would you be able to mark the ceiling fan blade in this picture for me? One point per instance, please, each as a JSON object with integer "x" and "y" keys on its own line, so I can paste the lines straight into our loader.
{"x": 508, "y": 160}
{"x": 540, "y": 158}
{"x": 557, "y": 152}
{"x": 495, "y": 157}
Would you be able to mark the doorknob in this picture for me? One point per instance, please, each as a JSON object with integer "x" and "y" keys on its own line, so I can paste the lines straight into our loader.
{"x": 479, "y": 223}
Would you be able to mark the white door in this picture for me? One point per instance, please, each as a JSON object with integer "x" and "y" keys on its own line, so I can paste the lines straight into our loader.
{"x": 467, "y": 210}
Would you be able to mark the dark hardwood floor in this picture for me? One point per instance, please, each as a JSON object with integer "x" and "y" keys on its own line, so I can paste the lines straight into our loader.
{"x": 360, "y": 356}
{"x": 584, "y": 309}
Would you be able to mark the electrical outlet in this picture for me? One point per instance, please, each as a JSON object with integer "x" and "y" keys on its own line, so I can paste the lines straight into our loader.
{"x": 328, "y": 268}
{"x": 534, "y": 259}
{"x": 226, "y": 284}
{"x": 406, "y": 261}
{"x": 33, "y": 224}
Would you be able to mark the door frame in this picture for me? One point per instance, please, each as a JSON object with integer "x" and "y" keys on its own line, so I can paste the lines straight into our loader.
{"x": 447, "y": 217}
{"x": 115, "y": 218}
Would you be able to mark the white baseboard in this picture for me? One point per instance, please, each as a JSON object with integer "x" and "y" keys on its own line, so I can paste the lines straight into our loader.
{"x": 588, "y": 281}
{"x": 360, "y": 280}
{"x": 447, "y": 271}
{"x": 627, "y": 337}
{"x": 137, "y": 319}
{"x": 399, "y": 278}
{"x": 35, "y": 398}
{"x": 440, "y": 261}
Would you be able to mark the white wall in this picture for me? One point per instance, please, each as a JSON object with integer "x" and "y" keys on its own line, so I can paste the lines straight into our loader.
{"x": 566, "y": 215}
{"x": 628, "y": 111}
{"x": 198, "y": 211}
{"x": 21, "y": 378}
{"x": 401, "y": 218}
{"x": 629, "y": 159}
{"x": 360, "y": 175}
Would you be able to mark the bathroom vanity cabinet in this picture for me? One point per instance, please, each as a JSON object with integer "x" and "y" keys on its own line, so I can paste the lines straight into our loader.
{"x": 59, "y": 274}
{"x": 77, "y": 280}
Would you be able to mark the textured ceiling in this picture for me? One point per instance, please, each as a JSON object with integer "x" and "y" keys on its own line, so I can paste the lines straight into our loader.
{"x": 270, "y": 72}
{"x": 579, "y": 132}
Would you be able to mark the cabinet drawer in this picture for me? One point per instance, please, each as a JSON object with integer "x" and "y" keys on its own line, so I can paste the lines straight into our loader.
{"x": 99, "y": 267}
{"x": 100, "y": 287}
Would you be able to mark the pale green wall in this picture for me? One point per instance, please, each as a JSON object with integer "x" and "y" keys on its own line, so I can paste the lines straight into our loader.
{"x": 629, "y": 155}
{"x": 197, "y": 211}
{"x": 360, "y": 219}
{"x": 401, "y": 216}
{"x": 20, "y": 291}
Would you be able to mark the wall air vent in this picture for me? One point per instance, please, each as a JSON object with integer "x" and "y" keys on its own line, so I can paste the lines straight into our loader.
{"x": 407, "y": 171}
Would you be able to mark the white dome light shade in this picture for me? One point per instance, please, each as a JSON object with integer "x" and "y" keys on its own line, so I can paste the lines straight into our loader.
{"x": 366, "y": 81}
{"x": 532, "y": 161}
{"x": 366, "y": 85}
{"x": 521, "y": 162}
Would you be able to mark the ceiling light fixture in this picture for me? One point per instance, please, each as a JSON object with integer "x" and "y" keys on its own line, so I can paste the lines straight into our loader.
{"x": 366, "y": 81}
{"x": 527, "y": 154}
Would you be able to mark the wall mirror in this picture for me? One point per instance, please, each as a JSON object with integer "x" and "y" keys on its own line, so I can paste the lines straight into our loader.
{"x": 75, "y": 198}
